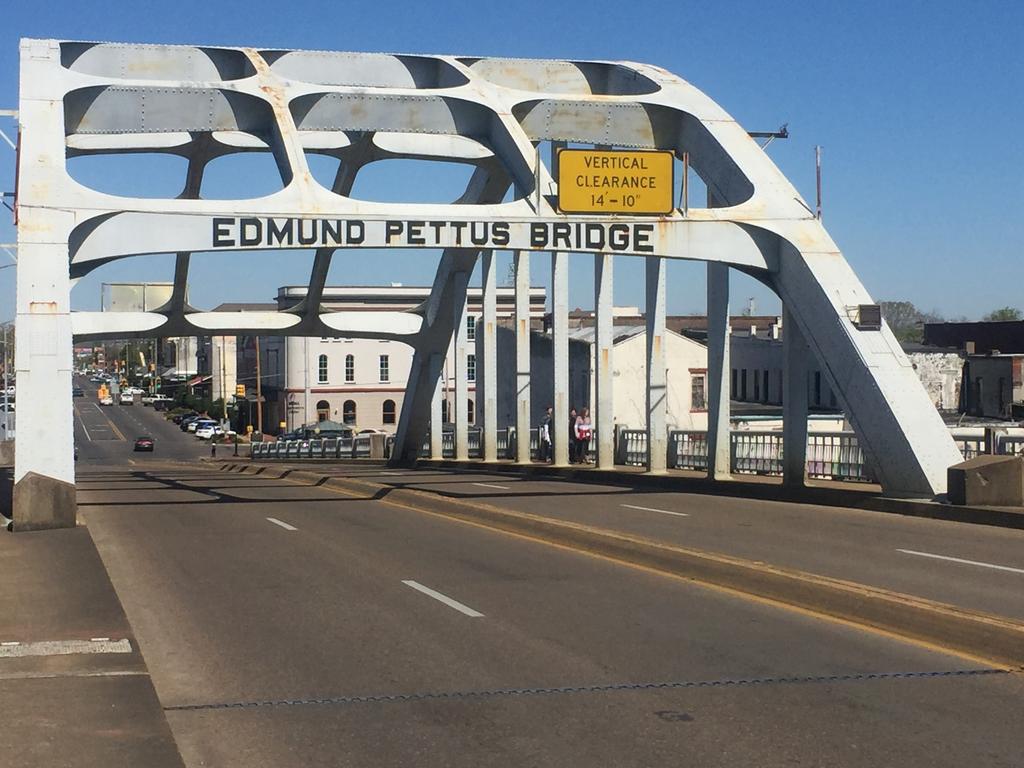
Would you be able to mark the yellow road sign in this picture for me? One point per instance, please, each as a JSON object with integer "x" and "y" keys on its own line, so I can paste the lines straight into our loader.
{"x": 606, "y": 181}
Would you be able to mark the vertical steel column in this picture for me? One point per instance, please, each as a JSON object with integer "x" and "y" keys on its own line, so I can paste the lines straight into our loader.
{"x": 604, "y": 424}
{"x": 461, "y": 409}
{"x": 718, "y": 371}
{"x": 487, "y": 374}
{"x": 436, "y": 422}
{"x": 560, "y": 356}
{"x": 522, "y": 270}
{"x": 795, "y": 354}
{"x": 559, "y": 340}
{"x": 44, "y": 467}
{"x": 657, "y": 383}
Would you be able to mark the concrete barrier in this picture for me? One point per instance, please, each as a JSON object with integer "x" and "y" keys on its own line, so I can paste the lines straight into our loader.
{"x": 6, "y": 453}
{"x": 996, "y": 481}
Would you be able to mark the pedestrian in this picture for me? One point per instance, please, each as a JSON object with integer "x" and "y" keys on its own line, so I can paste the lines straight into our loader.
{"x": 213, "y": 449}
{"x": 584, "y": 431}
{"x": 544, "y": 436}
{"x": 572, "y": 435}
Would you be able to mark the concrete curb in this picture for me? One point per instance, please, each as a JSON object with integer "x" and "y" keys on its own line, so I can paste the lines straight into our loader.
{"x": 825, "y": 497}
{"x": 976, "y": 634}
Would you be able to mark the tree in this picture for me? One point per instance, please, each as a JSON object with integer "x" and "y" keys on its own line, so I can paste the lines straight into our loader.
{"x": 906, "y": 321}
{"x": 1003, "y": 315}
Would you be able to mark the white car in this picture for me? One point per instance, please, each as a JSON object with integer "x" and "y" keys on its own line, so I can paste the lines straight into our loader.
{"x": 108, "y": 400}
{"x": 126, "y": 398}
{"x": 208, "y": 431}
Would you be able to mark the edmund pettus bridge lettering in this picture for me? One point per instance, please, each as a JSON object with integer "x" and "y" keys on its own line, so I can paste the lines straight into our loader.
{"x": 297, "y": 232}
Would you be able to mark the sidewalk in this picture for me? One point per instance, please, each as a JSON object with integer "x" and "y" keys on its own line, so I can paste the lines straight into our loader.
{"x": 74, "y": 688}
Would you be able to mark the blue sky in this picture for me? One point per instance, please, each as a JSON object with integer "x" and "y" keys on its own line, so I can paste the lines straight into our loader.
{"x": 917, "y": 105}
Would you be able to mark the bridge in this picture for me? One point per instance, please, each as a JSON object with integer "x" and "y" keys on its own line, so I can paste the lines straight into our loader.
{"x": 295, "y": 609}
{"x": 496, "y": 115}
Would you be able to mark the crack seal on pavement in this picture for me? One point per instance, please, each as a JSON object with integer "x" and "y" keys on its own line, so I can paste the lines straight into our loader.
{"x": 606, "y": 688}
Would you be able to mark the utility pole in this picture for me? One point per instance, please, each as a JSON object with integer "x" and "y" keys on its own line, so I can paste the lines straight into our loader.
{"x": 817, "y": 175}
{"x": 223, "y": 394}
{"x": 259, "y": 391}
{"x": 7, "y": 406}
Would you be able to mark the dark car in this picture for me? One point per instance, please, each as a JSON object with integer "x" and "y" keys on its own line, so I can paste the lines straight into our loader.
{"x": 160, "y": 405}
{"x": 77, "y": 392}
{"x": 143, "y": 443}
{"x": 183, "y": 424}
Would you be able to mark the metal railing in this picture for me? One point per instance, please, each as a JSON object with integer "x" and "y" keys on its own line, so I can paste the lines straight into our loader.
{"x": 1012, "y": 445}
{"x": 830, "y": 455}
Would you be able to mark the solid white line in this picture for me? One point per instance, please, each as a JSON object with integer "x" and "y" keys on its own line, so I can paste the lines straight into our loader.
{"x": 287, "y": 527}
{"x": 444, "y": 599}
{"x": 63, "y": 648}
{"x": 84, "y": 428}
{"x": 650, "y": 509}
{"x": 488, "y": 485}
{"x": 959, "y": 560}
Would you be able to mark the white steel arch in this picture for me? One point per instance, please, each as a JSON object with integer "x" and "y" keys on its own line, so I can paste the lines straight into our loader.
{"x": 200, "y": 103}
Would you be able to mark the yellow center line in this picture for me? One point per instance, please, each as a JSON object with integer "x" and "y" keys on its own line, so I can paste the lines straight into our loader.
{"x": 761, "y": 599}
{"x": 113, "y": 426}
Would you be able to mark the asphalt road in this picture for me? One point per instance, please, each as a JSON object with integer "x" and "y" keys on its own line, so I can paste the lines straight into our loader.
{"x": 971, "y": 566}
{"x": 290, "y": 625}
{"x": 105, "y": 435}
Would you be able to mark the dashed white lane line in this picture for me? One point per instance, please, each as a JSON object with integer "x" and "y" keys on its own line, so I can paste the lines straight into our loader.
{"x": 10, "y": 650}
{"x": 489, "y": 485}
{"x": 651, "y": 509}
{"x": 287, "y": 527}
{"x": 961, "y": 560}
{"x": 444, "y": 599}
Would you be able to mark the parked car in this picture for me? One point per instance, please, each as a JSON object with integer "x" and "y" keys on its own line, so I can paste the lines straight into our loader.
{"x": 209, "y": 431}
{"x": 187, "y": 420}
{"x": 161, "y": 405}
{"x": 77, "y": 392}
{"x": 179, "y": 417}
{"x": 200, "y": 422}
{"x": 106, "y": 400}
{"x": 144, "y": 443}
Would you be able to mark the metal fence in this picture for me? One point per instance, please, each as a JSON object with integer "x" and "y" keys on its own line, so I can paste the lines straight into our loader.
{"x": 830, "y": 455}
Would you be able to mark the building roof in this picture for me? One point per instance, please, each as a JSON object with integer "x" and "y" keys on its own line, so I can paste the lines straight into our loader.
{"x": 245, "y": 307}
{"x": 1005, "y": 336}
{"x": 620, "y": 333}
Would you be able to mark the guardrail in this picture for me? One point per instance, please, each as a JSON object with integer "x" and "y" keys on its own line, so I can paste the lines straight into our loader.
{"x": 830, "y": 455}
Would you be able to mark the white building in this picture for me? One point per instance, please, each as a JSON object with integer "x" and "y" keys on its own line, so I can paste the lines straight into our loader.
{"x": 687, "y": 367}
{"x": 360, "y": 382}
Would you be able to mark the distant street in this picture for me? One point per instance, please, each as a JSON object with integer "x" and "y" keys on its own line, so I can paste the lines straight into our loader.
{"x": 105, "y": 434}
{"x": 288, "y": 624}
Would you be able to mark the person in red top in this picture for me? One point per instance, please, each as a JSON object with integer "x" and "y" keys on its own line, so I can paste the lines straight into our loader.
{"x": 584, "y": 431}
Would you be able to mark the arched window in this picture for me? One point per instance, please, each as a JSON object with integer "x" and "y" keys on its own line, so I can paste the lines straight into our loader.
{"x": 350, "y": 368}
{"x": 470, "y": 412}
{"x": 321, "y": 369}
{"x": 387, "y": 415}
{"x": 348, "y": 412}
{"x": 323, "y": 411}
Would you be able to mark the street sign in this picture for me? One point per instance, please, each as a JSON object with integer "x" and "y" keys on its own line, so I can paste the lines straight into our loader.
{"x": 613, "y": 181}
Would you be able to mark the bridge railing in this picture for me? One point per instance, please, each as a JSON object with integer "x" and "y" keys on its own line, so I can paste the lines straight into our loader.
{"x": 830, "y": 455}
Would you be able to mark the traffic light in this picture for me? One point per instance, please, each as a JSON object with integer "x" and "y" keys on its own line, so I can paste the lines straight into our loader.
{"x": 239, "y": 390}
